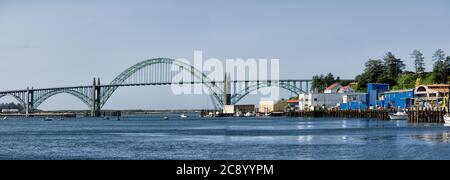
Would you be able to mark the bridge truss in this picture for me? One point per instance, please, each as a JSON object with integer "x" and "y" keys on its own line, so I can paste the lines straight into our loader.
{"x": 154, "y": 72}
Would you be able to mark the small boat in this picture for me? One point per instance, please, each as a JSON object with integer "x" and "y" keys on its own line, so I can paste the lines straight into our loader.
{"x": 5, "y": 118}
{"x": 166, "y": 118}
{"x": 249, "y": 114}
{"x": 447, "y": 119}
{"x": 401, "y": 115}
{"x": 48, "y": 119}
{"x": 239, "y": 114}
{"x": 184, "y": 116}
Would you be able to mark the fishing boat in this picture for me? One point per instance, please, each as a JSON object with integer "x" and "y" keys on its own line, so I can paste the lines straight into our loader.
{"x": 48, "y": 119}
{"x": 447, "y": 118}
{"x": 184, "y": 116}
{"x": 400, "y": 115}
{"x": 249, "y": 114}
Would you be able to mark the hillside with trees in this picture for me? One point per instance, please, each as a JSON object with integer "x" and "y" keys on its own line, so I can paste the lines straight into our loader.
{"x": 391, "y": 70}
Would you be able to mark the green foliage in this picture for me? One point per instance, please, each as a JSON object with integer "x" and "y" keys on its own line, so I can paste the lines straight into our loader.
{"x": 321, "y": 82}
{"x": 372, "y": 73}
{"x": 427, "y": 79}
{"x": 390, "y": 71}
{"x": 441, "y": 71}
{"x": 441, "y": 68}
{"x": 439, "y": 55}
{"x": 405, "y": 81}
{"x": 419, "y": 63}
{"x": 393, "y": 68}
{"x": 11, "y": 106}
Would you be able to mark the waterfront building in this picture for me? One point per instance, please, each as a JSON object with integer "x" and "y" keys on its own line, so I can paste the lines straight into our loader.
{"x": 346, "y": 89}
{"x": 374, "y": 91}
{"x": 397, "y": 99}
{"x": 430, "y": 95}
{"x": 10, "y": 111}
{"x": 233, "y": 109}
{"x": 334, "y": 88}
{"x": 272, "y": 106}
{"x": 316, "y": 101}
{"x": 266, "y": 106}
{"x": 293, "y": 104}
{"x": 354, "y": 101}
{"x": 371, "y": 100}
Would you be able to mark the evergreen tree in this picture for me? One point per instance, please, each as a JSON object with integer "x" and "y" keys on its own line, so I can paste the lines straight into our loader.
{"x": 439, "y": 55}
{"x": 419, "y": 63}
{"x": 372, "y": 73}
{"x": 441, "y": 68}
{"x": 394, "y": 66}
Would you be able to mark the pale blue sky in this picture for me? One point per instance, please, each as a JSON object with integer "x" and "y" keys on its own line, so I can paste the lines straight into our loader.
{"x": 63, "y": 43}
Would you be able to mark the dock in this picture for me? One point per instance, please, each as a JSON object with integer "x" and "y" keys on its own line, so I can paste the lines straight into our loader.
{"x": 371, "y": 114}
{"x": 426, "y": 115}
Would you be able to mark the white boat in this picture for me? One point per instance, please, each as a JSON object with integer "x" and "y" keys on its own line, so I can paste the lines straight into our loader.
{"x": 184, "y": 116}
{"x": 401, "y": 115}
{"x": 447, "y": 118}
{"x": 249, "y": 114}
{"x": 48, "y": 119}
{"x": 5, "y": 118}
{"x": 239, "y": 114}
{"x": 166, "y": 118}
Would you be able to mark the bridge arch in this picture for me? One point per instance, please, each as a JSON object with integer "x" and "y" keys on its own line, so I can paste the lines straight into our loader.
{"x": 18, "y": 98}
{"x": 167, "y": 63}
{"x": 264, "y": 84}
{"x": 45, "y": 96}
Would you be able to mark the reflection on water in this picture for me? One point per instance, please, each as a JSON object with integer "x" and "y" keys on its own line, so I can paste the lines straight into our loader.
{"x": 441, "y": 137}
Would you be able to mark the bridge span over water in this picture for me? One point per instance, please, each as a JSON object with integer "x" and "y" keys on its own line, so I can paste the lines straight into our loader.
{"x": 155, "y": 72}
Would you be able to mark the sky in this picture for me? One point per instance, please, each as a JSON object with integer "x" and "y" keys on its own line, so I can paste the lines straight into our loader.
{"x": 52, "y": 43}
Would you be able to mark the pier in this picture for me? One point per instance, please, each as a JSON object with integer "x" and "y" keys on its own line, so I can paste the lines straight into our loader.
{"x": 426, "y": 115}
{"x": 371, "y": 114}
{"x": 415, "y": 115}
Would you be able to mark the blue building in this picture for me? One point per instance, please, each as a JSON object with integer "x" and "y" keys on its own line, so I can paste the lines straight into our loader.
{"x": 373, "y": 94}
{"x": 378, "y": 96}
{"x": 354, "y": 101}
{"x": 398, "y": 99}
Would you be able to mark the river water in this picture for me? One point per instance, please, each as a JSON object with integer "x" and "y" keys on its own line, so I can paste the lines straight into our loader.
{"x": 268, "y": 138}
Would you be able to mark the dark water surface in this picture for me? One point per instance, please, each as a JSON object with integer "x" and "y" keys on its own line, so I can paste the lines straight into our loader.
{"x": 152, "y": 137}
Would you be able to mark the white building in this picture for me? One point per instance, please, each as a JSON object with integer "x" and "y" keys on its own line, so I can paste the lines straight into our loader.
{"x": 334, "y": 88}
{"x": 354, "y": 97}
{"x": 316, "y": 101}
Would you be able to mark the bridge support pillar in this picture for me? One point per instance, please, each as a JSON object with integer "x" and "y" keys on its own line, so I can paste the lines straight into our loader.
{"x": 29, "y": 99}
{"x": 95, "y": 98}
{"x": 227, "y": 89}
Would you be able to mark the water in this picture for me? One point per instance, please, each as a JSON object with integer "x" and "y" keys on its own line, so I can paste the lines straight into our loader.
{"x": 152, "y": 137}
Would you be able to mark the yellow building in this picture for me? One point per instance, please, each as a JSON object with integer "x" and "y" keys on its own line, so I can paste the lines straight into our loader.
{"x": 266, "y": 106}
{"x": 272, "y": 106}
{"x": 431, "y": 95}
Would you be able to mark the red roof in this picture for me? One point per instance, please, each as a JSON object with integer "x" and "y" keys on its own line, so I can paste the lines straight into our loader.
{"x": 293, "y": 101}
{"x": 331, "y": 87}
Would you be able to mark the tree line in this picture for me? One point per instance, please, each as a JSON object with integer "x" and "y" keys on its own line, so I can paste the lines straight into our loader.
{"x": 11, "y": 106}
{"x": 391, "y": 70}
